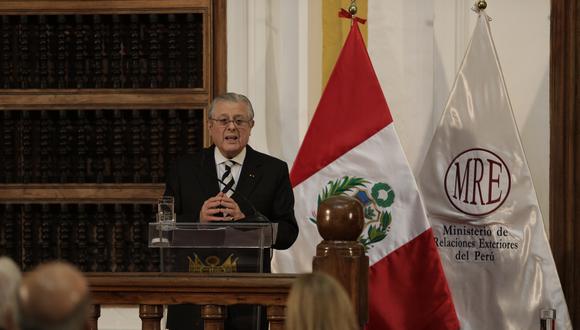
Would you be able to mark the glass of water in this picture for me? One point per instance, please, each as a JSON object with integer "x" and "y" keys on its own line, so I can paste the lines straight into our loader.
{"x": 166, "y": 210}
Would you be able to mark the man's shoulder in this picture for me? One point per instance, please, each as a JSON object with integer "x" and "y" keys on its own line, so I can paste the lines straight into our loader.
{"x": 265, "y": 158}
{"x": 197, "y": 157}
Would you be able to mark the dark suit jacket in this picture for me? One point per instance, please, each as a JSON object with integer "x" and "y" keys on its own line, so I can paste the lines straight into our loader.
{"x": 264, "y": 182}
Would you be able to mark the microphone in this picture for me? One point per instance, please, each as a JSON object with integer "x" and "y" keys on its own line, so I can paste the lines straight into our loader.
{"x": 257, "y": 216}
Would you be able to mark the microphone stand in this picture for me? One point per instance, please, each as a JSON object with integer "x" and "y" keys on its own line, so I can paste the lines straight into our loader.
{"x": 257, "y": 216}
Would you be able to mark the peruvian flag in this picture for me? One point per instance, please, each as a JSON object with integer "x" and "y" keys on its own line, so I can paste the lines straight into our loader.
{"x": 351, "y": 148}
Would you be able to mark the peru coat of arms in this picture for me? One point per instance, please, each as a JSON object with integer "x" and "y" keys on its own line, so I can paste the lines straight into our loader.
{"x": 376, "y": 198}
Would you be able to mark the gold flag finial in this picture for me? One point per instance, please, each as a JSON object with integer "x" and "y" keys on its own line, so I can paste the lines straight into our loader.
{"x": 352, "y": 8}
{"x": 481, "y": 4}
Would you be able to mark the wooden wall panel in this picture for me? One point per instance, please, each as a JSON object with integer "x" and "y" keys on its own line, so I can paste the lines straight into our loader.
{"x": 97, "y": 98}
{"x": 565, "y": 149}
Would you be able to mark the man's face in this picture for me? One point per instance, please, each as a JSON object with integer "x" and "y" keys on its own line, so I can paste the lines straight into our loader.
{"x": 231, "y": 138}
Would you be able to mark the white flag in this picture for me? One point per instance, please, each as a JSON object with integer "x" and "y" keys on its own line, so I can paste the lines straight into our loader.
{"x": 482, "y": 204}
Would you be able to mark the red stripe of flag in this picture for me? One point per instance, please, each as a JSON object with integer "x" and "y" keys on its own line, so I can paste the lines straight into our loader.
{"x": 408, "y": 289}
{"x": 345, "y": 116}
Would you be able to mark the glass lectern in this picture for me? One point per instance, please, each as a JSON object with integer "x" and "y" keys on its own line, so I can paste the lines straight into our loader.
{"x": 212, "y": 247}
{"x": 217, "y": 247}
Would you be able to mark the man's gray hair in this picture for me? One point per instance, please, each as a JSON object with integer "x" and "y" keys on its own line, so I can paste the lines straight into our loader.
{"x": 231, "y": 97}
{"x": 10, "y": 277}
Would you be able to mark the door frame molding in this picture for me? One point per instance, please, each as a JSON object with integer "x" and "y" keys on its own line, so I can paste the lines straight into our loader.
{"x": 564, "y": 155}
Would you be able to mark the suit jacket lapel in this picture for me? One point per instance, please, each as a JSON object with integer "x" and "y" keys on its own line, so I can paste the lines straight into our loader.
{"x": 250, "y": 175}
{"x": 208, "y": 172}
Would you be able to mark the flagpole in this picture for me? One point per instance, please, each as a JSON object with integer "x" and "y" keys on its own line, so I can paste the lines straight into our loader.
{"x": 351, "y": 13}
{"x": 353, "y": 8}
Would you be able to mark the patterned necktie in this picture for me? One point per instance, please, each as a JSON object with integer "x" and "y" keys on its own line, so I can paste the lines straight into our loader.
{"x": 228, "y": 178}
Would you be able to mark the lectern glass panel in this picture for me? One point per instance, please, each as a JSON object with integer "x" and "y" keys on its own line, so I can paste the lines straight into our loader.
{"x": 212, "y": 247}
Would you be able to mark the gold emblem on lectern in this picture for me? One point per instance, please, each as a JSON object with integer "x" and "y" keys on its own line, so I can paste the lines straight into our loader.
{"x": 212, "y": 264}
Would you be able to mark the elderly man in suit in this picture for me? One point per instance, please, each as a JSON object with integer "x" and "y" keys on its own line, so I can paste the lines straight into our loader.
{"x": 258, "y": 179}
{"x": 230, "y": 181}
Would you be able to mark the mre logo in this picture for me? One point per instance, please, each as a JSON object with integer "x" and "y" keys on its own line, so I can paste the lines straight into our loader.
{"x": 477, "y": 182}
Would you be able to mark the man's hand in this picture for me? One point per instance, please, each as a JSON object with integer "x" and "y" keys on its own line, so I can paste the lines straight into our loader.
{"x": 220, "y": 208}
{"x": 231, "y": 209}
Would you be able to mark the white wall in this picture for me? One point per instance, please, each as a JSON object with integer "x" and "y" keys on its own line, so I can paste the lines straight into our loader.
{"x": 273, "y": 54}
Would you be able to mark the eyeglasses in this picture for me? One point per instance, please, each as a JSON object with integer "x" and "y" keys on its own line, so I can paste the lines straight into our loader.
{"x": 224, "y": 122}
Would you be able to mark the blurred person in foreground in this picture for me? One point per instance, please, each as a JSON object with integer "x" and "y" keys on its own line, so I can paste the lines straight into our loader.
{"x": 318, "y": 302}
{"x": 53, "y": 296}
{"x": 10, "y": 277}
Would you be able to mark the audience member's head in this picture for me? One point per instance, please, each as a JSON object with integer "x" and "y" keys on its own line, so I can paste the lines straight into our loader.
{"x": 53, "y": 296}
{"x": 318, "y": 302}
{"x": 9, "y": 280}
